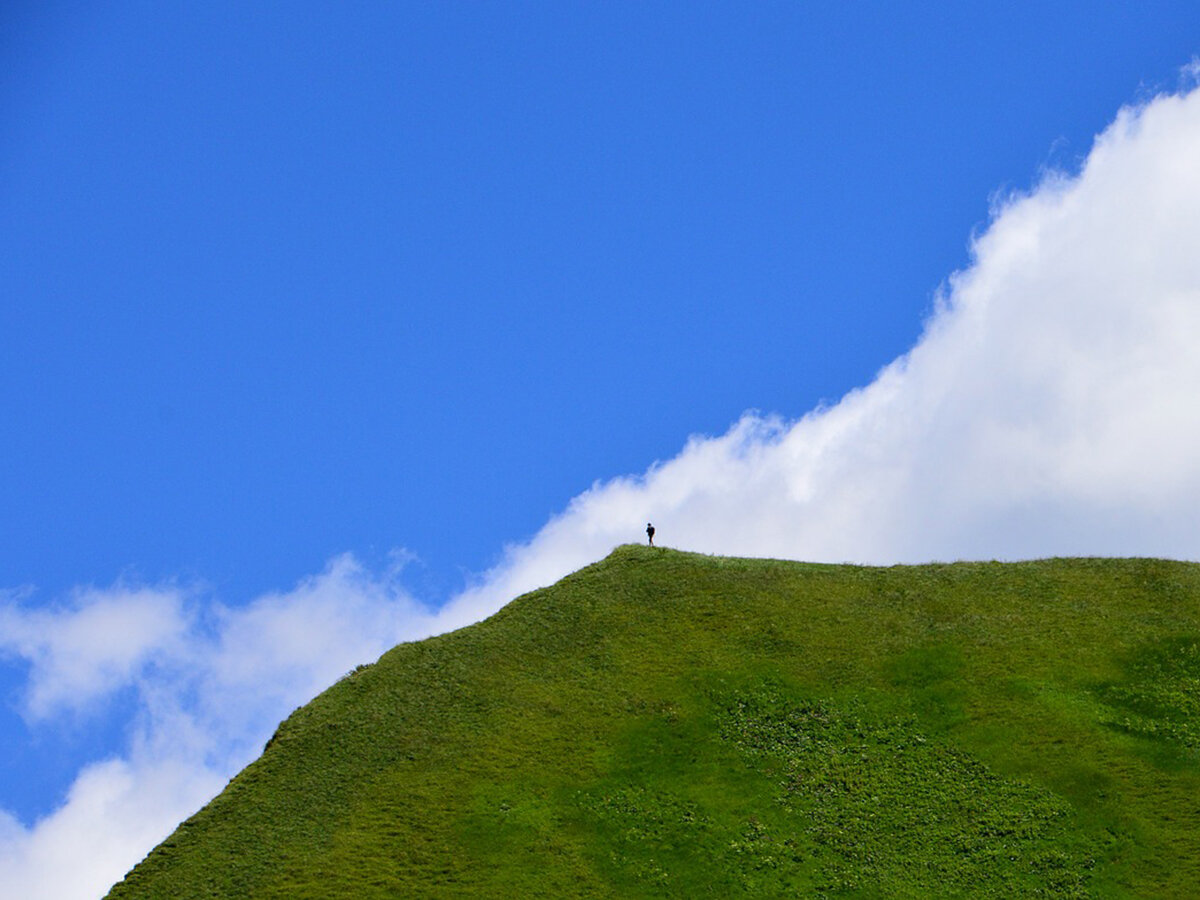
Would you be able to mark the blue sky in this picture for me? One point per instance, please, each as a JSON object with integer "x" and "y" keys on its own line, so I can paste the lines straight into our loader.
{"x": 399, "y": 281}
{"x": 280, "y": 285}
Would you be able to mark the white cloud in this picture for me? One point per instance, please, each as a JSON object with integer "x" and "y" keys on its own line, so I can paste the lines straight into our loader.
{"x": 93, "y": 645}
{"x": 210, "y": 690}
{"x": 115, "y": 811}
{"x": 1049, "y": 408}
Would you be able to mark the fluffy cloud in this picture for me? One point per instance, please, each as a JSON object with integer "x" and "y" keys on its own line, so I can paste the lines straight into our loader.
{"x": 115, "y": 811}
{"x": 1049, "y": 408}
{"x": 93, "y": 644}
{"x": 211, "y": 684}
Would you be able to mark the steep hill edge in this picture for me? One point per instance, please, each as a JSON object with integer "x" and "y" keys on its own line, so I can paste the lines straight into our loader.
{"x": 664, "y": 723}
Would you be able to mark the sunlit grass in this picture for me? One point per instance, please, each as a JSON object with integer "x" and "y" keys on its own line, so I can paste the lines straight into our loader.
{"x": 670, "y": 724}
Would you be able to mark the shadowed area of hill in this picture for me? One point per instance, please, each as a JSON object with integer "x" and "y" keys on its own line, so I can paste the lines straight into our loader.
{"x": 669, "y": 724}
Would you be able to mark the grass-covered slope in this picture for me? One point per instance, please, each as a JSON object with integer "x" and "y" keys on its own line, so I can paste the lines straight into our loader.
{"x": 667, "y": 724}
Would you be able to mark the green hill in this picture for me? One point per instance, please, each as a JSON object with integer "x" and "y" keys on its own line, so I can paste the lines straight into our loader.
{"x": 668, "y": 724}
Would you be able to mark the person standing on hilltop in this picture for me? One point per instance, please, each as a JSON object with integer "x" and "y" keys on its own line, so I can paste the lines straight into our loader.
{"x": 650, "y": 533}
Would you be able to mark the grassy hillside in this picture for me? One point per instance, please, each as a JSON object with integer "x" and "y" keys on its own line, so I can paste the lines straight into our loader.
{"x": 668, "y": 724}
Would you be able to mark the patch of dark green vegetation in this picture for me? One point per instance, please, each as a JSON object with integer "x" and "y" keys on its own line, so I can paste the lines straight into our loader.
{"x": 848, "y": 804}
{"x": 1159, "y": 697}
{"x": 885, "y": 811}
{"x": 674, "y": 725}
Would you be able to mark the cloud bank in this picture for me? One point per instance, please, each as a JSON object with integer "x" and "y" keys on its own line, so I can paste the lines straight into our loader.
{"x": 1049, "y": 408}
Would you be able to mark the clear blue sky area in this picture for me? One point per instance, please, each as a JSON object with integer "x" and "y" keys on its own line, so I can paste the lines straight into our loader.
{"x": 279, "y": 281}
{"x": 286, "y": 281}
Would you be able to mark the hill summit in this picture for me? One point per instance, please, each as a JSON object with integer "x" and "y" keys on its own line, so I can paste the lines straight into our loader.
{"x": 670, "y": 724}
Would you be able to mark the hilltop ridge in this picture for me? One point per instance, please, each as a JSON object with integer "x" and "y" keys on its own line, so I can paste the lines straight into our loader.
{"x": 672, "y": 724}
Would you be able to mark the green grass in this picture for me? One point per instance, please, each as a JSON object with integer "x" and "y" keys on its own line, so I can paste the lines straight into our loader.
{"x": 670, "y": 724}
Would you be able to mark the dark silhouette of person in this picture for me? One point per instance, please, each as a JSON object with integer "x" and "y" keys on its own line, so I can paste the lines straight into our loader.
{"x": 650, "y": 533}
